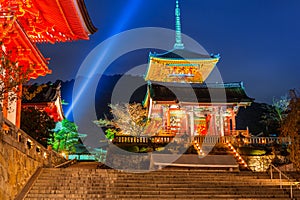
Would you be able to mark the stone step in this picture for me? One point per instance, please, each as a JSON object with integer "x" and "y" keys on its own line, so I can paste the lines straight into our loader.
{"x": 80, "y": 183}
{"x": 250, "y": 179}
{"x": 163, "y": 171}
{"x": 147, "y": 190}
{"x": 153, "y": 196}
{"x": 88, "y": 177}
{"x": 153, "y": 174}
{"x": 161, "y": 182}
{"x": 159, "y": 198}
{"x": 154, "y": 192}
{"x": 114, "y": 174}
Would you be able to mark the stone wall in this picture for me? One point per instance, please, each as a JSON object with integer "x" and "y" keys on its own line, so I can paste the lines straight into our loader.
{"x": 119, "y": 159}
{"x": 259, "y": 163}
{"x": 20, "y": 157}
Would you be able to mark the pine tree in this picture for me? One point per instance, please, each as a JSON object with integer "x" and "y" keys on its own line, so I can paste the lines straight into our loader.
{"x": 291, "y": 128}
{"x": 65, "y": 137}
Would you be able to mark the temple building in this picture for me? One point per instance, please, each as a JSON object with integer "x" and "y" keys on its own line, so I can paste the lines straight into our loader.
{"x": 25, "y": 23}
{"x": 44, "y": 97}
{"x": 180, "y": 98}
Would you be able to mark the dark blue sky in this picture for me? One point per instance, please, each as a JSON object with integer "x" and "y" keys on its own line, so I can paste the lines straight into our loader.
{"x": 258, "y": 40}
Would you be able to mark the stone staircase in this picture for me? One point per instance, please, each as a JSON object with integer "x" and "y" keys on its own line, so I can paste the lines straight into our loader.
{"x": 88, "y": 182}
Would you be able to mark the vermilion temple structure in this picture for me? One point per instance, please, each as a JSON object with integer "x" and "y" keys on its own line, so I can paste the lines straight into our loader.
{"x": 25, "y": 23}
{"x": 180, "y": 98}
{"x": 45, "y": 97}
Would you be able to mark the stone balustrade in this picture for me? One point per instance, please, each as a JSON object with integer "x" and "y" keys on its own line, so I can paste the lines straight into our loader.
{"x": 20, "y": 157}
{"x": 199, "y": 139}
{"x": 25, "y": 143}
{"x": 142, "y": 139}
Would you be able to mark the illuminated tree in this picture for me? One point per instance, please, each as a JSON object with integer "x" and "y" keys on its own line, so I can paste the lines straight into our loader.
{"x": 128, "y": 119}
{"x": 12, "y": 75}
{"x": 291, "y": 128}
{"x": 280, "y": 106}
{"x": 65, "y": 137}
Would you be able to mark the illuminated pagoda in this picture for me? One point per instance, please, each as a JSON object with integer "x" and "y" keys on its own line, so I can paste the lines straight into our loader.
{"x": 178, "y": 96}
{"x": 25, "y": 23}
{"x": 44, "y": 97}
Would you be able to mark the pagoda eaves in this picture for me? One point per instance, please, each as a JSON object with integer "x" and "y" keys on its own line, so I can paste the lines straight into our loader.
{"x": 25, "y": 23}
{"x": 22, "y": 24}
{"x": 180, "y": 65}
{"x": 52, "y": 21}
{"x": 234, "y": 93}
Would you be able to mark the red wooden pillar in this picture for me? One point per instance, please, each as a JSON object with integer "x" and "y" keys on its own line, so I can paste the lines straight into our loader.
{"x": 233, "y": 120}
{"x": 5, "y": 105}
{"x": 19, "y": 106}
{"x": 168, "y": 118}
{"x": 228, "y": 125}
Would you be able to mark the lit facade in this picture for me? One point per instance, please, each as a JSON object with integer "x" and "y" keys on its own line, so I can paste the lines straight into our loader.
{"x": 181, "y": 100}
{"x": 25, "y": 23}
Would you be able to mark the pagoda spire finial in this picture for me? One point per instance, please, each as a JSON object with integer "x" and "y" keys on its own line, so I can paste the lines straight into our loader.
{"x": 178, "y": 44}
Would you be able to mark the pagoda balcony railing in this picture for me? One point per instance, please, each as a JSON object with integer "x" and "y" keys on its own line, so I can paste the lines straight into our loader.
{"x": 238, "y": 132}
{"x": 244, "y": 140}
{"x": 127, "y": 139}
{"x": 267, "y": 140}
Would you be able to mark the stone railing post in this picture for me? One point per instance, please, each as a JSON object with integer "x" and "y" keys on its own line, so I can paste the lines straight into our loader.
{"x": 49, "y": 149}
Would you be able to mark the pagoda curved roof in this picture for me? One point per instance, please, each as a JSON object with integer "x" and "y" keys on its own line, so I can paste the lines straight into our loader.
{"x": 43, "y": 93}
{"x": 234, "y": 92}
{"x": 182, "y": 54}
{"x": 52, "y": 21}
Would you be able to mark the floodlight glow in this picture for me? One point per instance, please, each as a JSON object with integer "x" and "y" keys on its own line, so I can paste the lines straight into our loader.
{"x": 123, "y": 20}
{"x": 85, "y": 84}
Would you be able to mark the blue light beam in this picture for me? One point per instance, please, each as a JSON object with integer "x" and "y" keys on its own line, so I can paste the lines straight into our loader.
{"x": 123, "y": 21}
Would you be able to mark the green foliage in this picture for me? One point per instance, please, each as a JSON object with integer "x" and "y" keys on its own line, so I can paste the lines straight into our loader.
{"x": 258, "y": 118}
{"x": 270, "y": 120}
{"x": 134, "y": 149}
{"x": 63, "y": 102}
{"x": 251, "y": 151}
{"x": 110, "y": 133}
{"x": 145, "y": 149}
{"x": 37, "y": 124}
{"x": 281, "y": 105}
{"x": 65, "y": 137}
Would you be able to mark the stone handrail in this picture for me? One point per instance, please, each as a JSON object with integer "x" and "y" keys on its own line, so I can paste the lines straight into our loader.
{"x": 22, "y": 141}
{"x": 291, "y": 183}
{"x": 66, "y": 164}
{"x": 21, "y": 195}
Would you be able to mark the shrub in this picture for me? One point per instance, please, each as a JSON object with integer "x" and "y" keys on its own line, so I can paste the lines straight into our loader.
{"x": 251, "y": 151}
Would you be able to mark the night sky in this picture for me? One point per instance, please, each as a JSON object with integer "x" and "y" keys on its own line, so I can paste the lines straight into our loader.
{"x": 258, "y": 40}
